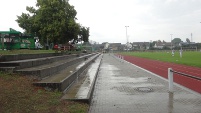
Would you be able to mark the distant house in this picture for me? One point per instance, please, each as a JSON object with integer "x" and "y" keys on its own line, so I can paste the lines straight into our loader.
{"x": 115, "y": 46}
{"x": 169, "y": 45}
{"x": 140, "y": 45}
{"x": 161, "y": 45}
{"x": 188, "y": 45}
{"x": 98, "y": 47}
{"x": 106, "y": 45}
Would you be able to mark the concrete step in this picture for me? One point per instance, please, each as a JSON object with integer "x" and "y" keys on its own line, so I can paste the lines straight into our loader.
{"x": 65, "y": 78}
{"x": 15, "y": 57}
{"x": 49, "y": 69}
{"x": 26, "y": 63}
{"x": 82, "y": 88}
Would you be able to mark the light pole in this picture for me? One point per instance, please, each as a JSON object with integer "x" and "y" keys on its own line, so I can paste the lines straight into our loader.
{"x": 171, "y": 41}
{"x": 126, "y": 38}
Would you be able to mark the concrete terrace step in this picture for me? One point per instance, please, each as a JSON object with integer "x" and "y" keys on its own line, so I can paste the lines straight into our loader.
{"x": 15, "y": 57}
{"x": 82, "y": 89}
{"x": 51, "y": 68}
{"x": 65, "y": 78}
{"x": 26, "y": 63}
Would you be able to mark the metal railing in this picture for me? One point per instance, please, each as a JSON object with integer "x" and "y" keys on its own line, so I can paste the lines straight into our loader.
{"x": 170, "y": 77}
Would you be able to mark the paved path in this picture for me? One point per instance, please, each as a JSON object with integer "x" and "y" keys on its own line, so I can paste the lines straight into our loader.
{"x": 124, "y": 88}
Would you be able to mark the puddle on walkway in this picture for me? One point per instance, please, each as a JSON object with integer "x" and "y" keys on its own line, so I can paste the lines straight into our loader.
{"x": 110, "y": 67}
{"x": 130, "y": 79}
{"x": 126, "y": 83}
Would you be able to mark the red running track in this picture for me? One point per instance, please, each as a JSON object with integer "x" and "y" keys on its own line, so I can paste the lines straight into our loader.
{"x": 161, "y": 68}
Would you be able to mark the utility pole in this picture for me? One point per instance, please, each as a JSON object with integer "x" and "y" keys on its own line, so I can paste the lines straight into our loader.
{"x": 171, "y": 41}
{"x": 126, "y": 38}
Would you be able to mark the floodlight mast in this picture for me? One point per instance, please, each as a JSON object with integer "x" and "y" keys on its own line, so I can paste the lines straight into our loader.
{"x": 126, "y": 38}
{"x": 171, "y": 40}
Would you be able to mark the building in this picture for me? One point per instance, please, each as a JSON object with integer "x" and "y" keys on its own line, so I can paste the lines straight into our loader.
{"x": 13, "y": 39}
{"x": 115, "y": 46}
{"x": 140, "y": 45}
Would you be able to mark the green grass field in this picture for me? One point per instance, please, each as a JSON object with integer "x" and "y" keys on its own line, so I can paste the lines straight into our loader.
{"x": 188, "y": 58}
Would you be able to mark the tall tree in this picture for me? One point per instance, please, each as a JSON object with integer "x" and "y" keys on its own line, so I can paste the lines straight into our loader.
{"x": 187, "y": 40}
{"x": 53, "y": 19}
{"x": 84, "y": 33}
{"x": 176, "y": 40}
{"x": 159, "y": 41}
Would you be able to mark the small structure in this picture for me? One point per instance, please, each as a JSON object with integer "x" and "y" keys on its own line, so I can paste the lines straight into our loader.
{"x": 15, "y": 40}
{"x": 86, "y": 46}
{"x": 192, "y": 46}
{"x": 115, "y": 46}
{"x": 140, "y": 45}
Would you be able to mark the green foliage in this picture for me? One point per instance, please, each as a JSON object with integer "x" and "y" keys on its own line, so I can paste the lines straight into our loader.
{"x": 53, "y": 19}
{"x": 199, "y": 45}
{"x": 84, "y": 33}
{"x": 152, "y": 45}
{"x": 187, "y": 40}
{"x": 24, "y": 21}
{"x": 166, "y": 48}
{"x": 176, "y": 40}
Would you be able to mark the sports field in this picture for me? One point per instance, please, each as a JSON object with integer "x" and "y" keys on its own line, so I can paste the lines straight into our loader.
{"x": 188, "y": 58}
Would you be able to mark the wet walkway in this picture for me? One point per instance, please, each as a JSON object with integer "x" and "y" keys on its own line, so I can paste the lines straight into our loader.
{"x": 81, "y": 90}
{"x": 124, "y": 88}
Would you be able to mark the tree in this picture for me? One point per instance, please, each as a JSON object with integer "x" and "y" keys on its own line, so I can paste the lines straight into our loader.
{"x": 152, "y": 45}
{"x": 176, "y": 41}
{"x": 159, "y": 41}
{"x": 53, "y": 19}
{"x": 166, "y": 48}
{"x": 187, "y": 40}
{"x": 84, "y": 34}
{"x": 199, "y": 45}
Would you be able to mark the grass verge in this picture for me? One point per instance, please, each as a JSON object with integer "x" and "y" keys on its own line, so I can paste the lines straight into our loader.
{"x": 18, "y": 95}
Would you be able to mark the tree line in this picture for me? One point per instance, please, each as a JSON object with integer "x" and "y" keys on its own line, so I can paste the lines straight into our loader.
{"x": 54, "y": 20}
{"x": 176, "y": 43}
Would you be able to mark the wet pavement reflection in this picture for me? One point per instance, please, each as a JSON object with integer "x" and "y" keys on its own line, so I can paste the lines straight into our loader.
{"x": 64, "y": 73}
{"x": 170, "y": 102}
{"x": 80, "y": 89}
{"x": 124, "y": 88}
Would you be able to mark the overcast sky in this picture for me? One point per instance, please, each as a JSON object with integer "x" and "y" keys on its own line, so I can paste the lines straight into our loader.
{"x": 148, "y": 20}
